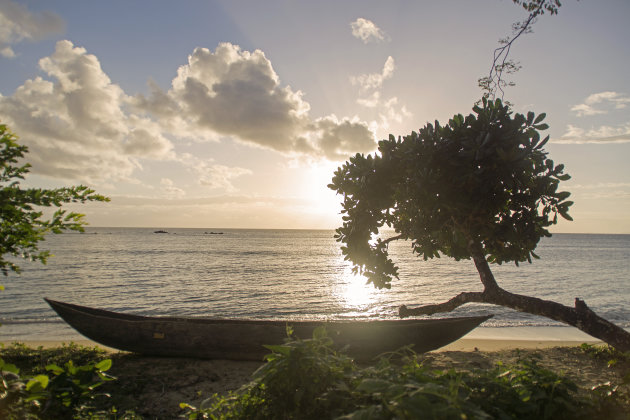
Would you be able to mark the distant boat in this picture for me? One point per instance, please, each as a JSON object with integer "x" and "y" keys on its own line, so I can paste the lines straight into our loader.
{"x": 244, "y": 339}
{"x": 160, "y": 231}
{"x": 213, "y": 233}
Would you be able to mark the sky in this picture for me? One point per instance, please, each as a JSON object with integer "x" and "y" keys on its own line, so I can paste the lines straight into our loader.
{"x": 235, "y": 114}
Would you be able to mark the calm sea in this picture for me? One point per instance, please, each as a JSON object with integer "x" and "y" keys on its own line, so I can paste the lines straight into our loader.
{"x": 289, "y": 274}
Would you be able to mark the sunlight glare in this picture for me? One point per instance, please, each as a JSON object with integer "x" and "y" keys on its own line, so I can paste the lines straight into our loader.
{"x": 354, "y": 291}
{"x": 315, "y": 189}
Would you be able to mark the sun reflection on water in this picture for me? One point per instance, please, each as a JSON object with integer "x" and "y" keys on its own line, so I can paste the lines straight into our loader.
{"x": 356, "y": 295}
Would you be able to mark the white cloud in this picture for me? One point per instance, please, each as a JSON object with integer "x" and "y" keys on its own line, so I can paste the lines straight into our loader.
{"x": 338, "y": 139}
{"x": 17, "y": 23}
{"x": 81, "y": 126}
{"x": 170, "y": 190}
{"x": 366, "y": 31}
{"x": 213, "y": 175}
{"x": 600, "y": 103}
{"x": 236, "y": 93}
{"x": 370, "y": 96}
{"x": 601, "y": 190}
{"x": 603, "y": 134}
{"x": 374, "y": 81}
{"x": 76, "y": 124}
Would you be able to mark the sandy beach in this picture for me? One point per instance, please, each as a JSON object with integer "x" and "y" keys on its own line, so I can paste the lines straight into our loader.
{"x": 155, "y": 386}
{"x": 464, "y": 344}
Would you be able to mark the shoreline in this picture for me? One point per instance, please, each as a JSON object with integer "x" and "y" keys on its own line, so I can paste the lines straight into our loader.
{"x": 481, "y": 338}
{"x": 463, "y": 344}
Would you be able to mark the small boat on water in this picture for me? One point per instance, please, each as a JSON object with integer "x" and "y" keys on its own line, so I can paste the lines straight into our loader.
{"x": 238, "y": 339}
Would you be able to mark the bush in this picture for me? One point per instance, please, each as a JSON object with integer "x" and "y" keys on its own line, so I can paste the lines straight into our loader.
{"x": 306, "y": 379}
{"x": 52, "y": 386}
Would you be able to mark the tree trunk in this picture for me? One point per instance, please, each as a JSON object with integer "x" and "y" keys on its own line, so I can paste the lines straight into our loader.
{"x": 580, "y": 316}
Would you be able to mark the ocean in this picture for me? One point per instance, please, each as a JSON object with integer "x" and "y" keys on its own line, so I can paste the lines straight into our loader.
{"x": 295, "y": 274}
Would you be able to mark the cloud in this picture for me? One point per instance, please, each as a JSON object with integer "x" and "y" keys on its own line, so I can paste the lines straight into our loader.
{"x": 594, "y": 103}
{"x": 211, "y": 175}
{"x": 236, "y": 93}
{"x": 601, "y": 135}
{"x": 374, "y": 81}
{"x": 338, "y": 139}
{"x": 79, "y": 125}
{"x": 170, "y": 190}
{"x": 366, "y": 31}
{"x": 76, "y": 124}
{"x": 17, "y": 23}
{"x": 370, "y": 86}
{"x": 602, "y": 190}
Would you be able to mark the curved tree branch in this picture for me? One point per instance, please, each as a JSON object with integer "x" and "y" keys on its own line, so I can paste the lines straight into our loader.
{"x": 393, "y": 238}
{"x": 448, "y": 306}
{"x": 580, "y": 316}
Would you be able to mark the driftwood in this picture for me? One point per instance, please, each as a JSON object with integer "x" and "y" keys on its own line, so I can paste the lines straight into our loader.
{"x": 580, "y": 316}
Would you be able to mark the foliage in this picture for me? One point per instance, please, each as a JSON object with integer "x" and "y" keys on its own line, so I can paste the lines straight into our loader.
{"x": 58, "y": 392}
{"x": 390, "y": 389}
{"x": 297, "y": 382}
{"x": 34, "y": 360}
{"x": 483, "y": 179}
{"x": 22, "y": 222}
{"x": 54, "y": 383}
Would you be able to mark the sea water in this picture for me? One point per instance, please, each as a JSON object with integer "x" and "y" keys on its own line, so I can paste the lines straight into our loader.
{"x": 291, "y": 274}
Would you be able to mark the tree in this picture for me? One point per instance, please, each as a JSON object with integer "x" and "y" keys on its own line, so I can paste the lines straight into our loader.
{"x": 22, "y": 222}
{"x": 480, "y": 188}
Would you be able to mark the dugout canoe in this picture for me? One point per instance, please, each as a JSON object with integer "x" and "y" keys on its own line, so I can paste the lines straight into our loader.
{"x": 237, "y": 339}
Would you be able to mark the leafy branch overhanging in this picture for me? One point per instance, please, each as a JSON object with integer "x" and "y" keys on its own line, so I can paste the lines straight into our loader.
{"x": 481, "y": 187}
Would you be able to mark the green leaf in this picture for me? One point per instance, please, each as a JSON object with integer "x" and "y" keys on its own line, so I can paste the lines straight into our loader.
{"x": 530, "y": 118}
{"x": 104, "y": 365}
{"x": 561, "y": 196}
{"x": 540, "y": 117}
{"x": 37, "y": 383}
{"x": 278, "y": 348}
{"x": 565, "y": 215}
{"x": 57, "y": 370}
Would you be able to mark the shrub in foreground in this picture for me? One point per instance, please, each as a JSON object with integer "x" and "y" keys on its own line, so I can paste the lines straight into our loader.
{"x": 307, "y": 379}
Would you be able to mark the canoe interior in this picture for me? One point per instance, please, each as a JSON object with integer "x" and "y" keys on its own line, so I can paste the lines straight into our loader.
{"x": 243, "y": 339}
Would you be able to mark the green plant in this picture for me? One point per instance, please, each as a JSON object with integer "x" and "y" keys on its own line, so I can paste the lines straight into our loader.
{"x": 47, "y": 390}
{"x": 306, "y": 379}
{"x": 301, "y": 379}
{"x": 22, "y": 223}
{"x": 14, "y": 397}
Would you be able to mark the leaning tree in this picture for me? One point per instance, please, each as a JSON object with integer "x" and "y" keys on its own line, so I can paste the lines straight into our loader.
{"x": 480, "y": 188}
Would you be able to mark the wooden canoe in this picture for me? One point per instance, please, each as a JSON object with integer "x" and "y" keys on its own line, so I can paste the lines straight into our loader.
{"x": 244, "y": 339}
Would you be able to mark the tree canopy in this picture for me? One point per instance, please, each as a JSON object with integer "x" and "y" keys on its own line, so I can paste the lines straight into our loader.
{"x": 483, "y": 180}
{"x": 481, "y": 187}
{"x": 22, "y": 221}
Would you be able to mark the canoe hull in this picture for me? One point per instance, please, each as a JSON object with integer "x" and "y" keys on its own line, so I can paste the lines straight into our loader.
{"x": 244, "y": 339}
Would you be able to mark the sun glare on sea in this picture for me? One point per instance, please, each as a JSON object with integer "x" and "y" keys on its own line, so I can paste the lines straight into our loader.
{"x": 354, "y": 292}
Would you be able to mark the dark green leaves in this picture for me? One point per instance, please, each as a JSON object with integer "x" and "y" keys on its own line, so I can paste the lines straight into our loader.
{"x": 483, "y": 178}
{"x": 21, "y": 225}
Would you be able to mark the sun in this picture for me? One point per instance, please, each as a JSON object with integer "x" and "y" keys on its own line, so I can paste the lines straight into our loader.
{"x": 314, "y": 190}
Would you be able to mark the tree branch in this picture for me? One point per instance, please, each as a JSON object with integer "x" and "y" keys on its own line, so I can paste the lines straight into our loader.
{"x": 500, "y": 58}
{"x": 580, "y": 316}
{"x": 448, "y": 306}
{"x": 393, "y": 238}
